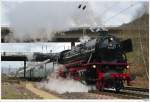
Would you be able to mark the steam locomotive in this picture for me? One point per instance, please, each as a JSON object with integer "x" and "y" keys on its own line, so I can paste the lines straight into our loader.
{"x": 101, "y": 62}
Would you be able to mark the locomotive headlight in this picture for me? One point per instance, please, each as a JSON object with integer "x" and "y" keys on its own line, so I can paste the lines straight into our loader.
{"x": 94, "y": 66}
{"x": 111, "y": 39}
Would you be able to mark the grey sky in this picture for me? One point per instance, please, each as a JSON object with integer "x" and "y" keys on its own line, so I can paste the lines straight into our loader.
{"x": 102, "y": 10}
{"x": 12, "y": 64}
{"x": 34, "y": 47}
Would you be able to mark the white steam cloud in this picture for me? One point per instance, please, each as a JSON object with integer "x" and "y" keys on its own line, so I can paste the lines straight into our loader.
{"x": 60, "y": 85}
{"x": 40, "y": 20}
{"x": 84, "y": 39}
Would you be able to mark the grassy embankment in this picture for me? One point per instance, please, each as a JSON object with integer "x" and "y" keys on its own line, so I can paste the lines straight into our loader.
{"x": 138, "y": 31}
{"x": 12, "y": 88}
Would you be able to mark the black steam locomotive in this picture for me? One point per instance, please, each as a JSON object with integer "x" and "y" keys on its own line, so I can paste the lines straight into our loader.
{"x": 101, "y": 62}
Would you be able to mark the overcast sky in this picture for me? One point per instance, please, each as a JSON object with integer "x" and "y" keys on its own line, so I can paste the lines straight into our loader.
{"x": 101, "y": 9}
{"x": 34, "y": 47}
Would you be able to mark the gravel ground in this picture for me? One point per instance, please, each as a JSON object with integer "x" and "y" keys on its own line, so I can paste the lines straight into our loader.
{"x": 76, "y": 95}
{"x": 80, "y": 95}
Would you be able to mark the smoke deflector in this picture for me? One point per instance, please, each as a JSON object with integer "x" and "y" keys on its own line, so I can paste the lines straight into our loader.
{"x": 127, "y": 45}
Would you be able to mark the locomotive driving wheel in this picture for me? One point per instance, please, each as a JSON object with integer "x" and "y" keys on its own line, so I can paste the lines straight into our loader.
{"x": 100, "y": 85}
{"x": 118, "y": 85}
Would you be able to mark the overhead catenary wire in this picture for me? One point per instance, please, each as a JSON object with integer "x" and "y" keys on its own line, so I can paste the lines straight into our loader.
{"x": 121, "y": 11}
{"x": 117, "y": 14}
{"x": 107, "y": 9}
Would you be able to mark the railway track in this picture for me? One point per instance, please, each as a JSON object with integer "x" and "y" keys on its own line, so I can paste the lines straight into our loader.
{"x": 137, "y": 89}
{"x": 126, "y": 93}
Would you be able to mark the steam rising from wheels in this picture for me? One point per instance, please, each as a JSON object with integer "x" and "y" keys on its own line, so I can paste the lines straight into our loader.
{"x": 60, "y": 85}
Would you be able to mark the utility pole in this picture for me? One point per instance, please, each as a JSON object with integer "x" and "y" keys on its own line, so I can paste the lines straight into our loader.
{"x": 9, "y": 70}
